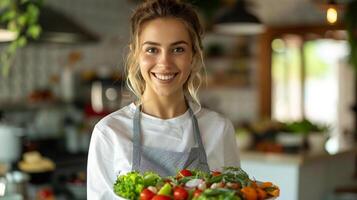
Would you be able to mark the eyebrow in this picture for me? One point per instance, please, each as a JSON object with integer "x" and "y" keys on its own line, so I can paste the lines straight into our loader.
{"x": 158, "y": 44}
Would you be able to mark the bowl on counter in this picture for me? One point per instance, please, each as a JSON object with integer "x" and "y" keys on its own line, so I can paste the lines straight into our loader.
{"x": 77, "y": 185}
{"x": 39, "y": 168}
{"x": 77, "y": 190}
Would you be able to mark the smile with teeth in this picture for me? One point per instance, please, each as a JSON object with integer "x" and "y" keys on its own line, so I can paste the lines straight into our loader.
{"x": 164, "y": 77}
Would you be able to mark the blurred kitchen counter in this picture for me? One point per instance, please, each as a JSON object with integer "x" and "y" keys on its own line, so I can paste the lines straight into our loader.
{"x": 294, "y": 158}
{"x": 302, "y": 176}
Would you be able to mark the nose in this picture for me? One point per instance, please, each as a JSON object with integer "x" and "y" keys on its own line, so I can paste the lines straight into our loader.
{"x": 164, "y": 59}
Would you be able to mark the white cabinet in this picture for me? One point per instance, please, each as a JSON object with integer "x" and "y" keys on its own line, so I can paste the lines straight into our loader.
{"x": 301, "y": 177}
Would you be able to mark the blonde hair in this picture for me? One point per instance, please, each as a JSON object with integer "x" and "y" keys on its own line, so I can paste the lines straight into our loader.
{"x": 153, "y": 9}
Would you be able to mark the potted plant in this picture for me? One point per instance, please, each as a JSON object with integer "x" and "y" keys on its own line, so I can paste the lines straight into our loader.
{"x": 302, "y": 134}
{"x": 21, "y": 18}
{"x": 292, "y": 135}
{"x": 317, "y": 138}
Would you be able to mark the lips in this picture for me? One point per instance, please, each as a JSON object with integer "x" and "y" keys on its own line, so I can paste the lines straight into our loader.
{"x": 165, "y": 76}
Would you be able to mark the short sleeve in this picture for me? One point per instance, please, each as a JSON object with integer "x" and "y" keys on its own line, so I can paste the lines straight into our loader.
{"x": 100, "y": 167}
{"x": 231, "y": 151}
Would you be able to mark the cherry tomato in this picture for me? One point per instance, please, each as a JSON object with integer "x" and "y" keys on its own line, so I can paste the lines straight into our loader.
{"x": 184, "y": 173}
{"x": 146, "y": 194}
{"x": 197, "y": 193}
{"x": 216, "y": 173}
{"x": 161, "y": 197}
{"x": 180, "y": 193}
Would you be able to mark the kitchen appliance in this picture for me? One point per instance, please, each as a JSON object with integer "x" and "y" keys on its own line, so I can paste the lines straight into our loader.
{"x": 10, "y": 144}
{"x": 105, "y": 93}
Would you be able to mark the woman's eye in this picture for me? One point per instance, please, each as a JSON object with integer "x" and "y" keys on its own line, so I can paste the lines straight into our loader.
{"x": 178, "y": 50}
{"x": 151, "y": 50}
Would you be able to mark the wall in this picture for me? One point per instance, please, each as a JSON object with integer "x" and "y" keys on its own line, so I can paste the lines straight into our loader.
{"x": 239, "y": 102}
{"x": 40, "y": 66}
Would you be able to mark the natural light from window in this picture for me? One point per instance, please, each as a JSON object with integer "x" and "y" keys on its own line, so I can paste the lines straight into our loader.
{"x": 312, "y": 91}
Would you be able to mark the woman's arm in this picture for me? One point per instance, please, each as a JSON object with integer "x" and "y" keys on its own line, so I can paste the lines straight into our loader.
{"x": 100, "y": 172}
{"x": 231, "y": 151}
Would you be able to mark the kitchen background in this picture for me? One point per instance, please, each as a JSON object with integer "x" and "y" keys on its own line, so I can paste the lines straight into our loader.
{"x": 55, "y": 93}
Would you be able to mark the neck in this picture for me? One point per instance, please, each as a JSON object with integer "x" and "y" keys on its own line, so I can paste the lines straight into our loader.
{"x": 164, "y": 107}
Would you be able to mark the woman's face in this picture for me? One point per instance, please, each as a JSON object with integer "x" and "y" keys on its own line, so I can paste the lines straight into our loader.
{"x": 165, "y": 56}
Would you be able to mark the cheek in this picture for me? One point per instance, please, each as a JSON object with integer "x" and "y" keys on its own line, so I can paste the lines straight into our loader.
{"x": 145, "y": 62}
{"x": 186, "y": 64}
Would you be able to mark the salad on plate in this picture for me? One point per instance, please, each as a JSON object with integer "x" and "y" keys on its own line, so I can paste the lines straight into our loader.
{"x": 232, "y": 183}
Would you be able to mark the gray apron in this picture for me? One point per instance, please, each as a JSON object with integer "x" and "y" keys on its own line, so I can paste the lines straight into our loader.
{"x": 165, "y": 162}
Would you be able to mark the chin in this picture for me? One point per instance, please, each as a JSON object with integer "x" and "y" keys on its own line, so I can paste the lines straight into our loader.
{"x": 165, "y": 92}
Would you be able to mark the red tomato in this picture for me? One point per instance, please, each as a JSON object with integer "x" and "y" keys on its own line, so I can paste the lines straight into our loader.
{"x": 180, "y": 193}
{"x": 197, "y": 193}
{"x": 184, "y": 173}
{"x": 45, "y": 193}
{"x": 161, "y": 197}
{"x": 146, "y": 194}
{"x": 216, "y": 173}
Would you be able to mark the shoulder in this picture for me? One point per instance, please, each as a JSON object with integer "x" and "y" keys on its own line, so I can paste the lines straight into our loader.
{"x": 118, "y": 117}
{"x": 212, "y": 116}
{"x": 116, "y": 124}
{"x": 210, "y": 120}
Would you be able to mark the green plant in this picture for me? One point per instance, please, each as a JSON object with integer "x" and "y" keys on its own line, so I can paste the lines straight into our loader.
{"x": 305, "y": 127}
{"x": 351, "y": 25}
{"x": 20, "y": 17}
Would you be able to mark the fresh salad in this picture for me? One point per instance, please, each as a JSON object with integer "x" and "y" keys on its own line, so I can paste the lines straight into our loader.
{"x": 231, "y": 184}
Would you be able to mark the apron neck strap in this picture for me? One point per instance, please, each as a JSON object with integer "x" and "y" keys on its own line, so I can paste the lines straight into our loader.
{"x": 196, "y": 129}
{"x": 137, "y": 137}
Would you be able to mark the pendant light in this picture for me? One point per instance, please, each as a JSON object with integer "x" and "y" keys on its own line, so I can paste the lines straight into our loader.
{"x": 237, "y": 20}
{"x": 331, "y": 13}
{"x": 332, "y": 8}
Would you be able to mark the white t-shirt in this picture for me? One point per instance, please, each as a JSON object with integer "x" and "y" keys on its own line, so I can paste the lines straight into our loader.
{"x": 110, "y": 151}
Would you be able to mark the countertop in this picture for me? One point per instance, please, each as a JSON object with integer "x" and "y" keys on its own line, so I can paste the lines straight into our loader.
{"x": 296, "y": 159}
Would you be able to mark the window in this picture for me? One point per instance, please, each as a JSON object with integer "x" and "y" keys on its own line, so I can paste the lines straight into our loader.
{"x": 305, "y": 78}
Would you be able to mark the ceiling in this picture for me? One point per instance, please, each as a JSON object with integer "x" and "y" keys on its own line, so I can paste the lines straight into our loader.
{"x": 290, "y": 12}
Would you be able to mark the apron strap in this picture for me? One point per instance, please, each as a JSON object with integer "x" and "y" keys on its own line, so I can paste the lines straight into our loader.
{"x": 137, "y": 150}
{"x": 198, "y": 138}
{"x": 136, "y": 140}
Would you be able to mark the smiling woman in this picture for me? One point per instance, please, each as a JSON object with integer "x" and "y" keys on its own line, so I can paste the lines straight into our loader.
{"x": 188, "y": 23}
{"x": 165, "y": 59}
{"x": 166, "y": 129}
